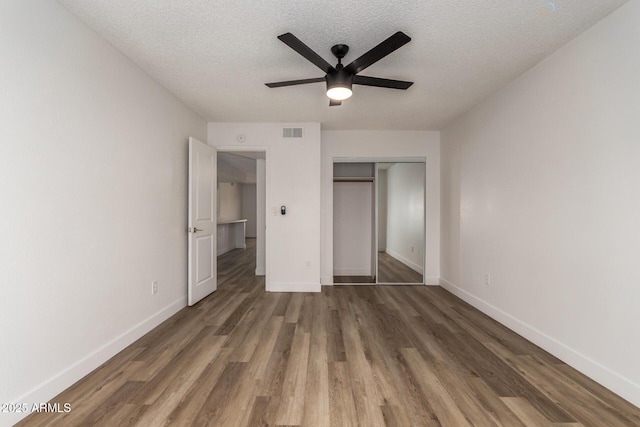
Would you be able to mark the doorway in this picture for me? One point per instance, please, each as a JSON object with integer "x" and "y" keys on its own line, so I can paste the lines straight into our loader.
{"x": 379, "y": 221}
{"x": 241, "y": 216}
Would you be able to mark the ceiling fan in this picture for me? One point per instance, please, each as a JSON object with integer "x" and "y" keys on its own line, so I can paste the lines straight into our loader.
{"x": 340, "y": 78}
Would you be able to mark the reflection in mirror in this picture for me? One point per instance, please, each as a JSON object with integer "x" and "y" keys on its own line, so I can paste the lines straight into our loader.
{"x": 400, "y": 222}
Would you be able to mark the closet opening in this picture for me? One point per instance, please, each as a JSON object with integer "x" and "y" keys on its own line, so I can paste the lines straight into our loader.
{"x": 379, "y": 221}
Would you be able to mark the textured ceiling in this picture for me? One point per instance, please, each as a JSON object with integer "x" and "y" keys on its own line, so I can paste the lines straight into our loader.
{"x": 216, "y": 55}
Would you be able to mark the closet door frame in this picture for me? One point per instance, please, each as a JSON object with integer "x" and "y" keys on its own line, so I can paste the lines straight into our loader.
{"x": 375, "y": 161}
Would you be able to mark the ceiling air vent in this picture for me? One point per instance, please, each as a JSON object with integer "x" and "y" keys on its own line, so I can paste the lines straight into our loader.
{"x": 292, "y": 132}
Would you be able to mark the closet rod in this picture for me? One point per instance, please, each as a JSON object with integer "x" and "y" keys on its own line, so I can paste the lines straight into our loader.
{"x": 353, "y": 179}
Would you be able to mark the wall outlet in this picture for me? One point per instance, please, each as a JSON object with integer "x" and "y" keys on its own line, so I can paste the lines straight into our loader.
{"x": 154, "y": 287}
{"x": 487, "y": 279}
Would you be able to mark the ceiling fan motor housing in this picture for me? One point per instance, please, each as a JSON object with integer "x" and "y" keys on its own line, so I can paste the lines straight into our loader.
{"x": 339, "y": 82}
{"x": 339, "y": 78}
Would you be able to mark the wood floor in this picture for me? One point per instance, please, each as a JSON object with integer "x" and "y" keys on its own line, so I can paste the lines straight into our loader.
{"x": 390, "y": 270}
{"x": 348, "y": 356}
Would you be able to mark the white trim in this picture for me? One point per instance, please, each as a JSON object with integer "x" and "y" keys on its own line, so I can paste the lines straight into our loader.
{"x": 352, "y": 272}
{"x": 64, "y": 379}
{"x": 294, "y": 287}
{"x": 615, "y": 382}
{"x": 432, "y": 281}
{"x": 326, "y": 280}
{"x": 412, "y": 265}
{"x": 260, "y": 272}
{"x": 385, "y": 159}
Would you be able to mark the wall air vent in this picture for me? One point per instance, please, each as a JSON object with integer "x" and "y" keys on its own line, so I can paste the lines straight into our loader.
{"x": 292, "y": 132}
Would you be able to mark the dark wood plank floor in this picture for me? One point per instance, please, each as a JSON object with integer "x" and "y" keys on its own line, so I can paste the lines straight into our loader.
{"x": 348, "y": 356}
{"x": 390, "y": 270}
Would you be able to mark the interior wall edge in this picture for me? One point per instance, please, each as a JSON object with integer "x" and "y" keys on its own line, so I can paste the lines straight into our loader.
{"x": 64, "y": 379}
{"x": 432, "y": 281}
{"x": 412, "y": 265}
{"x": 610, "y": 379}
{"x": 326, "y": 280}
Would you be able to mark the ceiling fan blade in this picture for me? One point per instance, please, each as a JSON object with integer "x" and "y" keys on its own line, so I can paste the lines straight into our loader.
{"x": 294, "y": 43}
{"x": 378, "y": 82}
{"x": 334, "y": 103}
{"x": 296, "y": 82}
{"x": 394, "y": 42}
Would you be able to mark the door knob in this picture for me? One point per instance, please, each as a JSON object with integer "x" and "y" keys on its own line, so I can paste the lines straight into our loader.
{"x": 193, "y": 229}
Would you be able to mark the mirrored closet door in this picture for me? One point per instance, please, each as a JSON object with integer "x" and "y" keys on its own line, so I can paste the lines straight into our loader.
{"x": 379, "y": 222}
{"x": 400, "y": 222}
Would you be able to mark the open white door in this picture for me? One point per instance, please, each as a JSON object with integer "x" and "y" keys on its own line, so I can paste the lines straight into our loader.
{"x": 202, "y": 220}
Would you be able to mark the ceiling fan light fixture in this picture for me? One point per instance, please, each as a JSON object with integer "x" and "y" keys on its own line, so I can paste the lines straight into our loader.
{"x": 339, "y": 85}
{"x": 339, "y": 93}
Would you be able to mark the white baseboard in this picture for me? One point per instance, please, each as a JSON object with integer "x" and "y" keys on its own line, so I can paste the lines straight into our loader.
{"x": 612, "y": 380}
{"x": 352, "y": 272}
{"x": 412, "y": 265}
{"x": 432, "y": 281}
{"x": 326, "y": 280}
{"x": 222, "y": 251}
{"x": 260, "y": 272}
{"x": 294, "y": 287}
{"x": 50, "y": 388}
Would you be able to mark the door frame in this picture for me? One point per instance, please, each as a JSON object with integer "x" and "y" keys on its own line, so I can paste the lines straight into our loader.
{"x": 267, "y": 173}
{"x": 375, "y": 161}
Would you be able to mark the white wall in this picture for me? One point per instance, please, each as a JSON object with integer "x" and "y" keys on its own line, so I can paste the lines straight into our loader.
{"x": 354, "y": 170}
{"x": 352, "y": 228}
{"x": 249, "y": 208}
{"x": 373, "y": 145}
{"x": 293, "y": 180}
{"x": 541, "y": 189}
{"x": 228, "y": 172}
{"x": 93, "y": 194}
{"x": 405, "y": 214}
{"x": 229, "y": 201}
{"x": 230, "y": 236}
